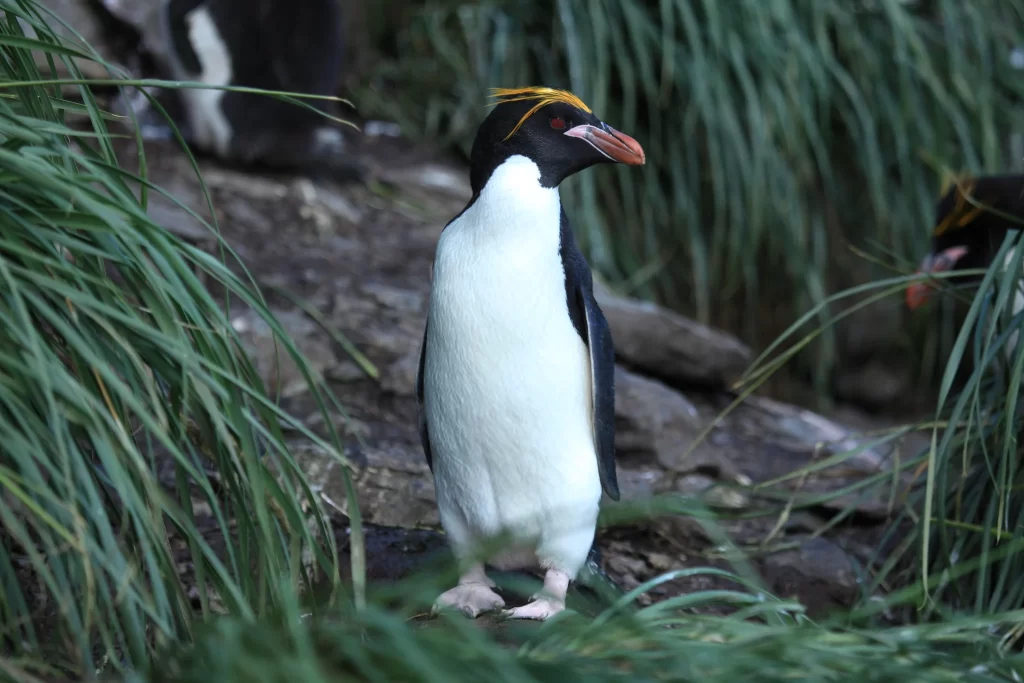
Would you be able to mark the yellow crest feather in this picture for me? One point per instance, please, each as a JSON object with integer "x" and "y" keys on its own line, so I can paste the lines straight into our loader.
{"x": 544, "y": 97}
{"x": 962, "y": 212}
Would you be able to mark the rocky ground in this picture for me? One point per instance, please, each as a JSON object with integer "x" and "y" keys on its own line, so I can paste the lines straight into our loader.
{"x": 359, "y": 255}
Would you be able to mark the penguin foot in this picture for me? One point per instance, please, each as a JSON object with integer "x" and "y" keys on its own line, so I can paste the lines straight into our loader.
{"x": 546, "y": 603}
{"x": 472, "y": 599}
{"x": 472, "y": 596}
{"x": 539, "y": 609}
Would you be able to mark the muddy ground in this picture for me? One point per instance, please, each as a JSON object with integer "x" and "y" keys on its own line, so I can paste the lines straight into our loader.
{"x": 359, "y": 254}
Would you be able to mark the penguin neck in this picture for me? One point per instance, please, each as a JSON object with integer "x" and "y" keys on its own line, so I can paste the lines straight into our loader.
{"x": 515, "y": 201}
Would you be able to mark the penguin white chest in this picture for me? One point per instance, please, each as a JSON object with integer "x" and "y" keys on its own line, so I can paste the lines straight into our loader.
{"x": 507, "y": 382}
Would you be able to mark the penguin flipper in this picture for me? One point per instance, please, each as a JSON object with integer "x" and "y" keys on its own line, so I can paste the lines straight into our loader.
{"x": 592, "y": 327}
{"x": 602, "y": 376}
{"x": 421, "y": 417}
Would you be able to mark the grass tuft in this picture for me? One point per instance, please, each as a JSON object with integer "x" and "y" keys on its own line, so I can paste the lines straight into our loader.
{"x": 146, "y": 481}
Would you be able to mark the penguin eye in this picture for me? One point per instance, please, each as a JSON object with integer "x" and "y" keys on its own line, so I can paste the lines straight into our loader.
{"x": 557, "y": 122}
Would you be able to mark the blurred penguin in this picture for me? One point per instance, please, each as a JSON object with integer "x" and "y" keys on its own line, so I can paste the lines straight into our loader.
{"x": 266, "y": 44}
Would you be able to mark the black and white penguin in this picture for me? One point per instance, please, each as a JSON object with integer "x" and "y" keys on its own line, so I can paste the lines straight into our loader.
{"x": 972, "y": 219}
{"x": 515, "y": 380}
{"x": 266, "y": 44}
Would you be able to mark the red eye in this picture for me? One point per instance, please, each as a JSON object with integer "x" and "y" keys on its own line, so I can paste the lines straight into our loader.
{"x": 557, "y": 122}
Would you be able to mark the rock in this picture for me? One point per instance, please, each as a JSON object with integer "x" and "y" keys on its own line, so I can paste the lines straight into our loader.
{"x": 402, "y": 300}
{"x": 272, "y": 360}
{"x": 800, "y": 429}
{"x": 394, "y": 485}
{"x": 875, "y": 384}
{"x": 666, "y": 345}
{"x": 323, "y": 204}
{"x": 759, "y": 441}
{"x": 400, "y": 377}
{"x": 818, "y": 573}
{"x": 345, "y": 371}
{"x": 654, "y": 421}
{"x": 244, "y": 184}
{"x": 175, "y": 219}
{"x": 660, "y": 561}
{"x": 433, "y": 177}
{"x": 80, "y": 16}
{"x": 711, "y": 493}
{"x": 868, "y": 331}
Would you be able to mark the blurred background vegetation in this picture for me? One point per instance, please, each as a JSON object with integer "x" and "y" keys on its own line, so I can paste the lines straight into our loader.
{"x": 795, "y": 148}
{"x": 780, "y": 135}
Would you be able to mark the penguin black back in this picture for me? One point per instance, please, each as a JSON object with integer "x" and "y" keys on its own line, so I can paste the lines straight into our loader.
{"x": 273, "y": 45}
{"x": 963, "y": 217}
{"x": 261, "y": 44}
{"x": 270, "y": 45}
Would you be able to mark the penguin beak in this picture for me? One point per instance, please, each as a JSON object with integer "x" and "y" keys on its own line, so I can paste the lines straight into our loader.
{"x": 617, "y": 146}
{"x": 919, "y": 292}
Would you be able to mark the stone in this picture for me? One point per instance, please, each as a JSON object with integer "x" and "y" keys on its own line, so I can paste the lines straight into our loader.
{"x": 402, "y": 300}
{"x": 659, "y": 423}
{"x": 663, "y": 344}
{"x": 323, "y": 204}
{"x": 272, "y": 360}
{"x": 394, "y": 485}
{"x": 817, "y": 572}
{"x": 874, "y": 384}
{"x": 174, "y": 218}
{"x": 80, "y": 16}
{"x": 433, "y": 177}
{"x": 400, "y": 377}
{"x": 711, "y": 493}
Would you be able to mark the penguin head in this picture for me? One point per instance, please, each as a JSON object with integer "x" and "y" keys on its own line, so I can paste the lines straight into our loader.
{"x": 967, "y": 235}
{"x": 552, "y": 128}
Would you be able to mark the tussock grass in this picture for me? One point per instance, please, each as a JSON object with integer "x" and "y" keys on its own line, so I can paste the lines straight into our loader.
{"x": 957, "y": 538}
{"x": 655, "y": 643}
{"x": 126, "y": 401}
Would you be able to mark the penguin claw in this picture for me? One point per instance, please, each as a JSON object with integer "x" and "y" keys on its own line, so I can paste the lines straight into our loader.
{"x": 472, "y": 599}
{"x": 539, "y": 608}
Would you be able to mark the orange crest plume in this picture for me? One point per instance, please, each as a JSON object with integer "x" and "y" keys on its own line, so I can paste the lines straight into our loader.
{"x": 962, "y": 213}
{"x": 544, "y": 97}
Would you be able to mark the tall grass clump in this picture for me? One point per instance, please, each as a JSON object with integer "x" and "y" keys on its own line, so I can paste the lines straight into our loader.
{"x": 962, "y": 531}
{"x": 955, "y": 544}
{"x": 128, "y": 408}
{"x": 778, "y": 133}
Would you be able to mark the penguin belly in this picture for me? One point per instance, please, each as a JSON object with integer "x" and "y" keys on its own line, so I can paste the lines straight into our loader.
{"x": 507, "y": 383}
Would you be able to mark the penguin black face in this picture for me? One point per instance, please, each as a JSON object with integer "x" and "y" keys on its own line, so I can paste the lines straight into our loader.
{"x": 966, "y": 235}
{"x": 552, "y": 128}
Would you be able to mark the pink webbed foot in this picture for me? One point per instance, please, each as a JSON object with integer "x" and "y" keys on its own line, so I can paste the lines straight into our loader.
{"x": 539, "y": 608}
{"x": 547, "y": 603}
{"x": 473, "y": 596}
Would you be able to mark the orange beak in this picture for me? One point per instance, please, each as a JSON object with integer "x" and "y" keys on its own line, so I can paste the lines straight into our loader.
{"x": 611, "y": 143}
{"x": 918, "y": 293}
